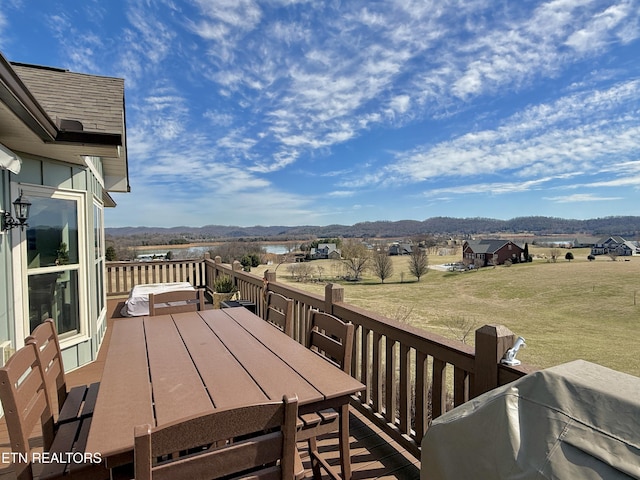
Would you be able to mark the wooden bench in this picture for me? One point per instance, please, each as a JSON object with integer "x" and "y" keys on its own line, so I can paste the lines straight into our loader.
{"x": 26, "y": 402}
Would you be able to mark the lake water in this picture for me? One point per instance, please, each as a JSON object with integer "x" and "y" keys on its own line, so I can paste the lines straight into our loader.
{"x": 199, "y": 251}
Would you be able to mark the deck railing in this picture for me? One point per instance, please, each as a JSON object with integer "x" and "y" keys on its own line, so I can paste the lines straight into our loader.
{"x": 121, "y": 277}
{"x": 411, "y": 376}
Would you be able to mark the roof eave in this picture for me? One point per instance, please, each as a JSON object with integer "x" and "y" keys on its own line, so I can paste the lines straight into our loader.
{"x": 15, "y": 94}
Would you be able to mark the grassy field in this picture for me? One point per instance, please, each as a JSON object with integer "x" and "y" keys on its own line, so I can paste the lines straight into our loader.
{"x": 564, "y": 310}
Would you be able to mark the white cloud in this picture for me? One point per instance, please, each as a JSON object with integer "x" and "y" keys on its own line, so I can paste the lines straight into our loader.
{"x": 341, "y": 193}
{"x": 240, "y": 14}
{"x": 579, "y": 132}
{"x": 600, "y": 28}
{"x": 581, "y": 198}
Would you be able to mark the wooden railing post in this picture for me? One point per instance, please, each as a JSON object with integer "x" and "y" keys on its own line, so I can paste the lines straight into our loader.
{"x": 492, "y": 342}
{"x": 332, "y": 294}
{"x": 205, "y": 270}
{"x": 270, "y": 276}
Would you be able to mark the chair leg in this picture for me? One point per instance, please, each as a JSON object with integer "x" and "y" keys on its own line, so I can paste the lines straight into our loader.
{"x": 314, "y": 457}
{"x": 345, "y": 455}
{"x": 343, "y": 445}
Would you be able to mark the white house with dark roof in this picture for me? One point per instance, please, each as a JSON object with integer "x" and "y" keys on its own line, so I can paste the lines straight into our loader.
{"x": 325, "y": 251}
{"x": 616, "y": 245}
{"x": 62, "y": 147}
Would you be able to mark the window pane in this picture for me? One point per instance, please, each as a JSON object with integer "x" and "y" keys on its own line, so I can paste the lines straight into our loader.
{"x": 97, "y": 229}
{"x": 55, "y": 295}
{"x": 52, "y": 235}
{"x": 100, "y": 285}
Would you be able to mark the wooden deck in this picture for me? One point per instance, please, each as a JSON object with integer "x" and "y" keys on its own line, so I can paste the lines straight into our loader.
{"x": 373, "y": 454}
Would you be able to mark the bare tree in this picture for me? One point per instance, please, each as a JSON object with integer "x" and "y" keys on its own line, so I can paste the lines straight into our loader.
{"x": 461, "y": 327}
{"x": 356, "y": 258}
{"x": 554, "y": 253}
{"x": 301, "y": 271}
{"x": 402, "y": 314}
{"x": 418, "y": 262}
{"x": 382, "y": 265}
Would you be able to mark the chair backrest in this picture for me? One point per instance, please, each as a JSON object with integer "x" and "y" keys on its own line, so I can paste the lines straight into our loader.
{"x": 24, "y": 399}
{"x": 280, "y": 312}
{"x": 225, "y": 442}
{"x": 331, "y": 338}
{"x": 177, "y": 301}
{"x": 46, "y": 340}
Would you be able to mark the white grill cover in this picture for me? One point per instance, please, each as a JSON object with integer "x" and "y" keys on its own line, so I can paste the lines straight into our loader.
{"x": 574, "y": 421}
{"x": 138, "y": 303}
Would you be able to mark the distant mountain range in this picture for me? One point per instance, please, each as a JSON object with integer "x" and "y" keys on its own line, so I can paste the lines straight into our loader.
{"x": 625, "y": 226}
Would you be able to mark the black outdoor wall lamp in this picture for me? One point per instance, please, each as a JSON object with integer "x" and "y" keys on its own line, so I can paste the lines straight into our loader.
{"x": 21, "y": 207}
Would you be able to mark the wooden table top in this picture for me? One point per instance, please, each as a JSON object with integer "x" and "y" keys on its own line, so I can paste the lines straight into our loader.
{"x": 160, "y": 369}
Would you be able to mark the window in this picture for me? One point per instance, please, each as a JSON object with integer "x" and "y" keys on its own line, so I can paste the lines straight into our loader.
{"x": 99, "y": 259}
{"x": 54, "y": 249}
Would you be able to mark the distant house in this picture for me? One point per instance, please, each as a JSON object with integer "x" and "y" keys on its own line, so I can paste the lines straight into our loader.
{"x": 400, "y": 249}
{"x": 325, "y": 251}
{"x": 583, "y": 242}
{"x": 616, "y": 245}
{"x": 490, "y": 252}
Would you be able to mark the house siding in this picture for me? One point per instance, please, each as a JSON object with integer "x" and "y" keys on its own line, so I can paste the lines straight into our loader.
{"x": 59, "y": 175}
{"x": 616, "y": 245}
{"x": 485, "y": 252}
{"x": 6, "y": 267}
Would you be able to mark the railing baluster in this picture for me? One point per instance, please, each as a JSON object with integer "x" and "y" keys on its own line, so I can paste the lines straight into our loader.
{"x": 460, "y": 386}
{"x": 438, "y": 388}
{"x": 422, "y": 395}
{"x": 366, "y": 366}
{"x": 376, "y": 381}
{"x": 405, "y": 389}
{"x": 390, "y": 387}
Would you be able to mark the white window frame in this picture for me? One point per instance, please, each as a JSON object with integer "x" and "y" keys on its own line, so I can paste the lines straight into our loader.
{"x": 20, "y": 263}
{"x": 98, "y": 227}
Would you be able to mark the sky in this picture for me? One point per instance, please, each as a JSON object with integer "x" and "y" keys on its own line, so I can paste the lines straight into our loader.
{"x": 294, "y": 112}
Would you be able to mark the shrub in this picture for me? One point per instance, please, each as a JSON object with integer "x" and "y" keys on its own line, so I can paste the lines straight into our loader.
{"x": 224, "y": 284}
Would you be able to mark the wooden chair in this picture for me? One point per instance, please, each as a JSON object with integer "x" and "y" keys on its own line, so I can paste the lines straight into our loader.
{"x": 332, "y": 339}
{"x": 248, "y": 441}
{"x": 25, "y": 400}
{"x": 279, "y": 312}
{"x": 67, "y": 405}
{"x": 178, "y": 301}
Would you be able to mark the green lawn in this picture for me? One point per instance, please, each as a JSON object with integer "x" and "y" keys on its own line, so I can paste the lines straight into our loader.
{"x": 564, "y": 310}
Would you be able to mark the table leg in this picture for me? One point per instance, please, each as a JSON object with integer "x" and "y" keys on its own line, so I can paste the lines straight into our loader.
{"x": 345, "y": 455}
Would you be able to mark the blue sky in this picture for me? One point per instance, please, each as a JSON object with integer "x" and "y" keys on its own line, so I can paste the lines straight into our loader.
{"x": 286, "y": 112}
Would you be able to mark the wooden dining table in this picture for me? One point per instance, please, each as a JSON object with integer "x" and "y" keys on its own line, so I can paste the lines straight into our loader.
{"x": 163, "y": 368}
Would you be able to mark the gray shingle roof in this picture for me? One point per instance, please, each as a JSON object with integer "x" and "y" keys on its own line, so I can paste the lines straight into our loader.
{"x": 486, "y": 245}
{"x": 97, "y": 102}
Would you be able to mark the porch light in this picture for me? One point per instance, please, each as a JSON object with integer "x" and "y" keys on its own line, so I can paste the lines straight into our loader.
{"x": 21, "y": 207}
